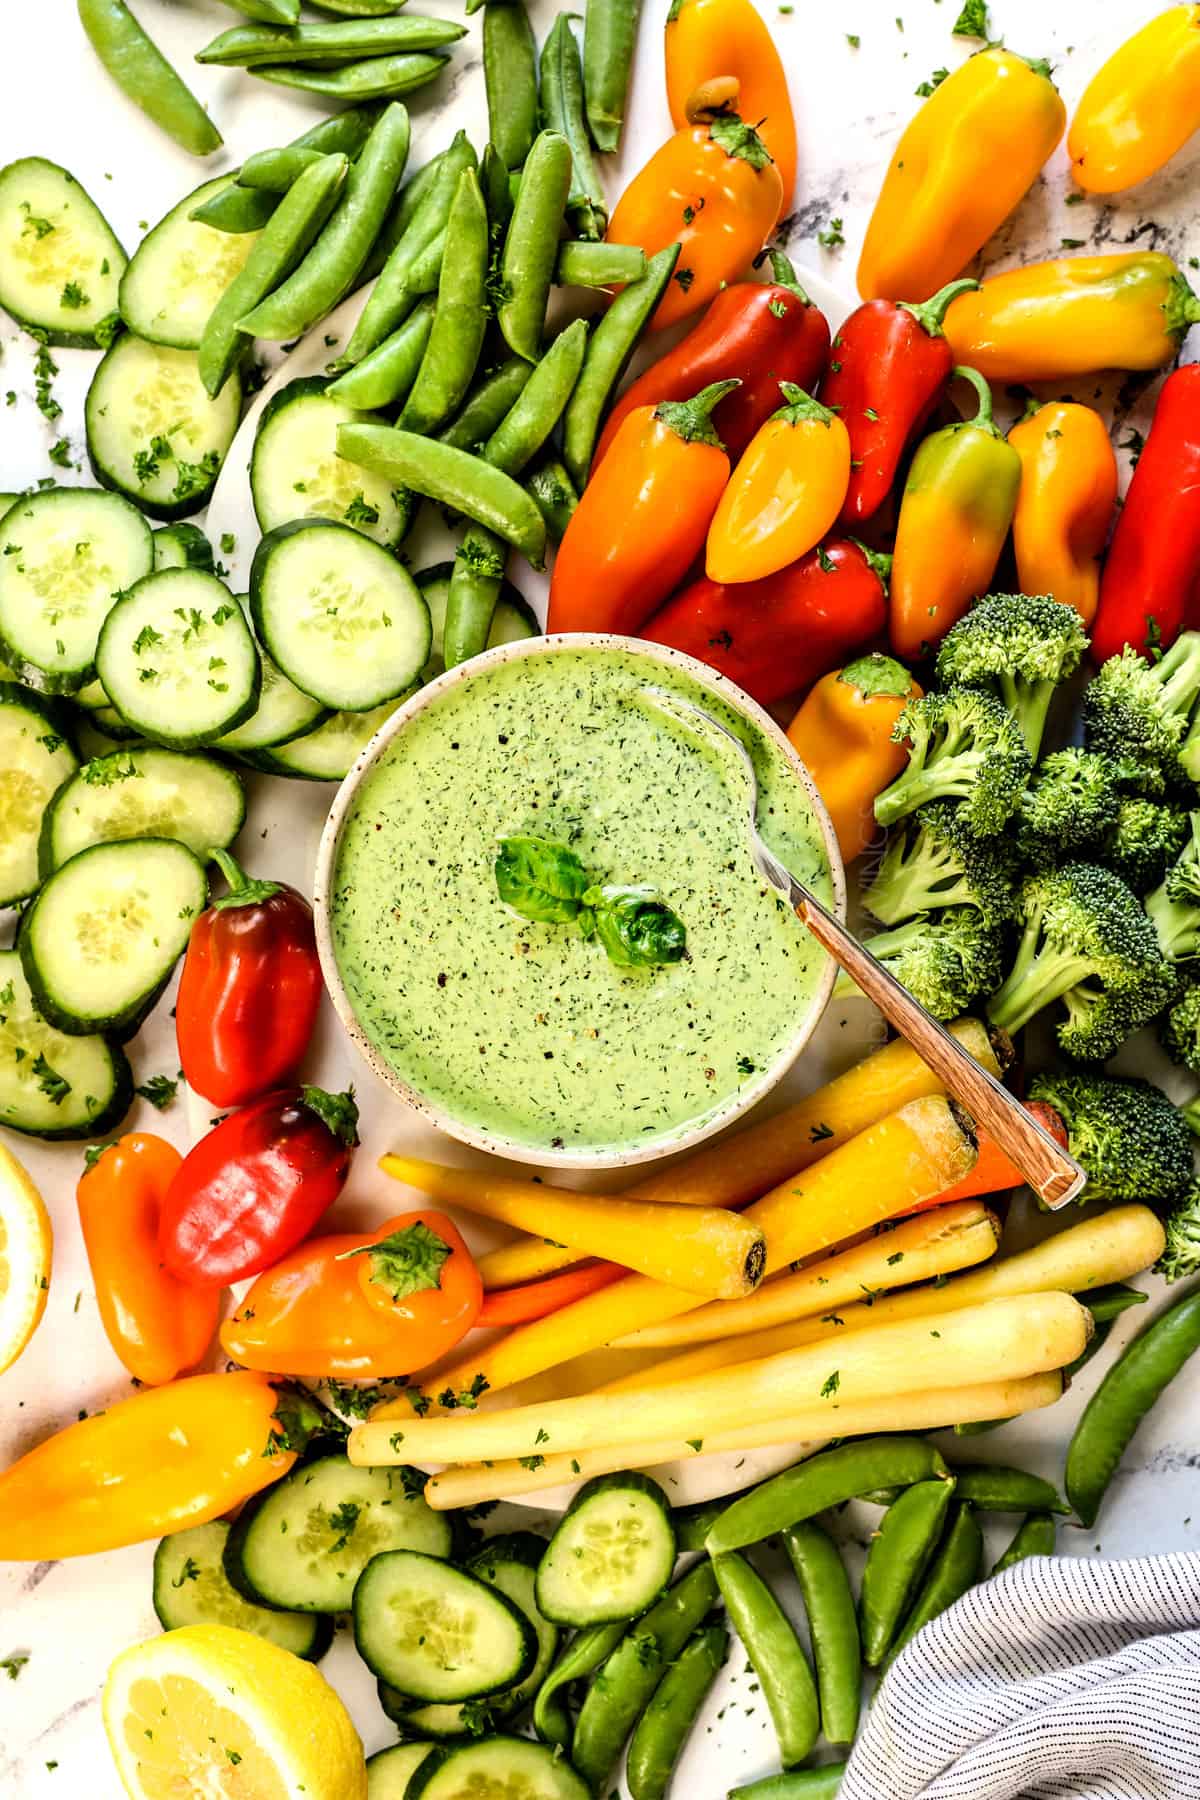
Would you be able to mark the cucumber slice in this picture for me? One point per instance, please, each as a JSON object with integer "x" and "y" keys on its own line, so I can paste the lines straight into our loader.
{"x": 512, "y": 620}
{"x": 64, "y": 557}
{"x": 35, "y": 761}
{"x": 296, "y": 472}
{"x": 331, "y": 751}
{"x": 180, "y": 270}
{"x": 283, "y": 712}
{"x": 153, "y": 433}
{"x": 93, "y": 742}
{"x": 93, "y": 697}
{"x": 183, "y": 547}
{"x": 436, "y": 1632}
{"x": 191, "y": 1588}
{"x": 388, "y": 1771}
{"x": 613, "y": 1552}
{"x": 107, "y": 929}
{"x": 304, "y": 1542}
{"x": 7, "y": 502}
{"x": 109, "y": 720}
{"x": 494, "y": 1768}
{"x": 341, "y": 617}
{"x": 60, "y": 265}
{"x": 143, "y": 792}
{"x": 51, "y": 1085}
{"x": 177, "y": 658}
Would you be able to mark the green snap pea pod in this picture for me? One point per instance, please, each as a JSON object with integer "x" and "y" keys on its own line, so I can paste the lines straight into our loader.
{"x": 586, "y": 1651}
{"x": 531, "y": 244}
{"x": 1121, "y": 1402}
{"x": 1108, "y": 1303}
{"x": 460, "y": 318}
{"x": 692, "y": 1523}
{"x": 1035, "y": 1536}
{"x": 361, "y": 9}
{"x": 996, "y": 1489}
{"x": 331, "y": 267}
{"x": 497, "y": 191}
{"x": 887, "y": 1496}
{"x": 394, "y": 293}
{"x": 625, "y": 1684}
{"x": 580, "y": 264}
{"x": 510, "y": 78}
{"x": 269, "y": 12}
{"x": 475, "y": 583}
{"x": 609, "y": 34}
{"x": 900, "y": 1553}
{"x": 775, "y": 1656}
{"x": 237, "y": 209}
{"x": 833, "y": 1627}
{"x": 144, "y": 75}
{"x": 556, "y": 500}
{"x": 613, "y": 343}
{"x": 385, "y": 376}
{"x": 450, "y": 478}
{"x": 844, "y": 1473}
{"x": 281, "y": 243}
{"x": 490, "y": 401}
{"x": 274, "y": 171}
{"x": 562, "y": 110}
{"x": 330, "y": 42}
{"x": 956, "y": 1568}
{"x": 977, "y": 1427}
{"x": 665, "y": 1726}
{"x": 402, "y": 212}
{"x": 376, "y": 78}
{"x": 802, "y": 1784}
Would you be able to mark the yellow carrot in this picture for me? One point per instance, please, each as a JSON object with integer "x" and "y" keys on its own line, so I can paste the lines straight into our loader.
{"x": 1026, "y": 1335}
{"x": 935, "y": 1243}
{"x": 702, "y": 1249}
{"x": 472, "y": 1484}
{"x": 525, "y": 1259}
{"x": 1110, "y": 1247}
{"x": 885, "y": 1170}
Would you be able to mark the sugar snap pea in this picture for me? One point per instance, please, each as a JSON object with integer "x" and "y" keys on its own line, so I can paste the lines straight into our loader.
{"x": 273, "y": 171}
{"x": 556, "y": 500}
{"x": 956, "y": 1568}
{"x": 489, "y": 401}
{"x": 404, "y": 208}
{"x": 609, "y": 35}
{"x": 580, "y": 264}
{"x": 613, "y": 343}
{"x": 692, "y": 1523}
{"x": 1126, "y": 1394}
{"x": 237, "y": 209}
{"x": 144, "y": 75}
{"x": 361, "y": 9}
{"x": 832, "y": 1625}
{"x": 497, "y": 192}
{"x": 664, "y": 1727}
{"x": 899, "y": 1555}
{"x": 475, "y": 583}
{"x": 330, "y": 42}
{"x": 281, "y": 244}
{"x": 844, "y": 1473}
{"x": 1108, "y": 1303}
{"x": 331, "y": 267}
{"x": 802, "y": 1784}
{"x": 562, "y": 109}
{"x": 995, "y": 1489}
{"x": 1035, "y": 1536}
{"x": 586, "y": 1651}
{"x": 451, "y": 478}
{"x": 268, "y": 12}
{"x": 775, "y": 1655}
{"x": 376, "y": 78}
{"x": 460, "y": 317}
{"x": 510, "y": 78}
{"x": 531, "y": 244}
{"x": 385, "y": 376}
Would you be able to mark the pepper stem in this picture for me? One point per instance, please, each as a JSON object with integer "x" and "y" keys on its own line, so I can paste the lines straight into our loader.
{"x": 876, "y": 674}
{"x": 691, "y": 419}
{"x": 879, "y": 562}
{"x": 801, "y": 407}
{"x": 337, "y": 1112}
{"x": 782, "y": 273}
{"x": 242, "y": 891}
{"x": 739, "y": 140}
{"x": 1181, "y": 308}
{"x": 297, "y": 1421}
{"x": 930, "y": 313}
{"x": 983, "y": 418}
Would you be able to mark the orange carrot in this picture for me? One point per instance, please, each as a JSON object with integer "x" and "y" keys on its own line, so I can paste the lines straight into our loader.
{"x": 993, "y": 1172}
{"x": 536, "y": 1299}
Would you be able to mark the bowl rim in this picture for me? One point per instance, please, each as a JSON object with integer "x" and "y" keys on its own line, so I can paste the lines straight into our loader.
{"x": 495, "y": 1143}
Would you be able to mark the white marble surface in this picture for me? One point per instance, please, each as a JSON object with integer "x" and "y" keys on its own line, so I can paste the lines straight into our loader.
{"x": 71, "y": 1618}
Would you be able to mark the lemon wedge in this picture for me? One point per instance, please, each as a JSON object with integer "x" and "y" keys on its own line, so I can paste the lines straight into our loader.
{"x": 26, "y": 1247}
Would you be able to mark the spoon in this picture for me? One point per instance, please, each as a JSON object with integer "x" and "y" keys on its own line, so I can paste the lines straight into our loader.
{"x": 1055, "y": 1177}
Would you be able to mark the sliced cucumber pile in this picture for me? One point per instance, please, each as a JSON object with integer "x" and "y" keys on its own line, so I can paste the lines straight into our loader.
{"x": 512, "y": 620}
{"x": 388, "y": 1771}
{"x": 331, "y": 751}
{"x": 143, "y": 792}
{"x": 283, "y": 711}
{"x": 492, "y": 1769}
{"x": 180, "y": 270}
{"x": 191, "y": 1588}
{"x": 338, "y": 615}
{"x": 35, "y": 760}
{"x": 153, "y": 433}
{"x": 60, "y": 264}
{"x": 51, "y": 1085}
{"x": 183, "y": 547}
{"x": 177, "y": 659}
{"x": 612, "y": 1554}
{"x": 437, "y": 1632}
{"x": 296, "y": 472}
{"x": 106, "y": 930}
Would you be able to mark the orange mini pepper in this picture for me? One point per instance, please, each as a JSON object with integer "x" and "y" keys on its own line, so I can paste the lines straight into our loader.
{"x": 785, "y": 493}
{"x": 1141, "y": 107}
{"x": 713, "y": 190}
{"x": 709, "y": 39}
{"x": 157, "y": 1325}
{"x": 1065, "y": 502}
{"x": 963, "y": 163}
{"x": 843, "y": 734}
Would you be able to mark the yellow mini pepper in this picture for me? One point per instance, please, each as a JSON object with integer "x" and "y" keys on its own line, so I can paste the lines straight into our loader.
{"x": 785, "y": 493}
{"x": 1065, "y": 503}
{"x": 962, "y": 165}
{"x": 707, "y": 40}
{"x": 843, "y": 733}
{"x": 1141, "y": 107}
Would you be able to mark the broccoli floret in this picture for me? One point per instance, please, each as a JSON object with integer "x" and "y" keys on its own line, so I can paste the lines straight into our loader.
{"x": 1181, "y": 1255}
{"x": 1138, "y": 714}
{"x": 1019, "y": 647}
{"x": 963, "y": 746}
{"x": 945, "y": 960}
{"x": 1173, "y": 907}
{"x": 1144, "y": 841}
{"x": 1087, "y": 942}
{"x": 1069, "y": 806}
{"x": 1134, "y": 1144}
{"x": 932, "y": 862}
{"x": 1179, "y": 1028}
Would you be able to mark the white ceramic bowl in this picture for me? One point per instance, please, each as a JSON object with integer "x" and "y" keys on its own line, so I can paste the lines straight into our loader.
{"x": 739, "y": 1102}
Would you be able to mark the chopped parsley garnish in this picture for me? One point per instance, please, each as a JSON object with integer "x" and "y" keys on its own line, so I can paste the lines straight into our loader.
{"x": 160, "y": 1091}
{"x": 73, "y": 297}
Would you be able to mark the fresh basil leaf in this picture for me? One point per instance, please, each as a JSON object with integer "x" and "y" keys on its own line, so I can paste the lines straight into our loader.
{"x": 540, "y": 879}
{"x": 636, "y": 928}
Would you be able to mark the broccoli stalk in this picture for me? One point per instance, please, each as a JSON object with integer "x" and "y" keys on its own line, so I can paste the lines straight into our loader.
{"x": 963, "y": 746}
{"x": 945, "y": 960}
{"x": 1019, "y": 647}
{"x": 1069, "y": 807}
{"x": 933, "y": 862}
{"x": 1174, "y": 906}
{"x": 1133, "y": 1143}
{"x": 1139, "y": 714}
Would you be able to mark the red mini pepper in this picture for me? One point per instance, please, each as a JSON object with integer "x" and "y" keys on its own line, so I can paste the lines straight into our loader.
{"x": 256, "y": 1185}
{"x": 775, "y": 636}
{"x": 888, "y": 364}
{"x": 1149, "y": 581}
{"x": 762, "y": 332}
{"x": 249, "y": 991}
